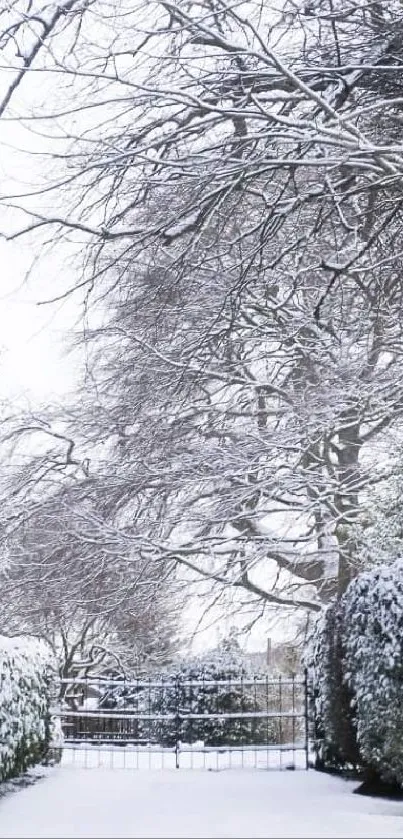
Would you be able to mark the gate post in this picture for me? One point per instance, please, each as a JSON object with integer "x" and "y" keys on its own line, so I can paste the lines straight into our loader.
{"x": 177, "y": 721}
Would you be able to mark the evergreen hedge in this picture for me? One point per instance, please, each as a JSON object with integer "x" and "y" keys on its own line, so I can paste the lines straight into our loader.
{"x": 27, "y": 691}
{"x": 334, "y": 731}
{"x": 356, "y": 663}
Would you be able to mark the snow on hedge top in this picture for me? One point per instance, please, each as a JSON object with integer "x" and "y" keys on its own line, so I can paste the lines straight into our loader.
{"x": 373, "y": 607}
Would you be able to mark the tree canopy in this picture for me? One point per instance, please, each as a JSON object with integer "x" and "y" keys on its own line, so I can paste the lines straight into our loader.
{"x": 234, "y": 172}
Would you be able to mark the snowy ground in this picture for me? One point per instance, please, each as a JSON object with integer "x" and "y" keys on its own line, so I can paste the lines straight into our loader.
{"x": 95, "y": 804}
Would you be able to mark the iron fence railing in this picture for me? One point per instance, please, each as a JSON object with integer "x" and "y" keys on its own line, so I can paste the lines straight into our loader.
{"x": 257, "y": 722}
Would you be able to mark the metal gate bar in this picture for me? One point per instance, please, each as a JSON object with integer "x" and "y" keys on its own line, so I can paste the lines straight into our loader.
{"x": 225, "y": 723}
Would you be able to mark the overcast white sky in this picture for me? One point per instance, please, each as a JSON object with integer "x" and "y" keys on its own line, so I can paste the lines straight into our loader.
{"x": 32, "y": 337}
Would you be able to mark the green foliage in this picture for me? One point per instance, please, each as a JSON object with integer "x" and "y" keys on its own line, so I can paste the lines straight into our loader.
{"x": 217, "y": 683}
{"x": 27, "y": 690}
{"x": 356, "y": 664}
{"x": 373, "y": 644}
{"x": 335, "y": 737}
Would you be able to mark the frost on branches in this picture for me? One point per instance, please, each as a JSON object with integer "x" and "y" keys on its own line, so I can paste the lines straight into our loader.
{"x": 27, "y": 690}
{"x": 378, "y": 532}
{"x": 356, "y": 662}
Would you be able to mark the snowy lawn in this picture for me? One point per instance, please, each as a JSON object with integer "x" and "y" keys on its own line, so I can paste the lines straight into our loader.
{"x": 73, "y": 802}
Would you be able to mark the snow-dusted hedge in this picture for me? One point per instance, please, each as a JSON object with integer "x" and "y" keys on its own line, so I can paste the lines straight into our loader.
{"x": 357, "y": 668}
{"x": 373, "y": 651}
{"x": 205, "y": 685}
{"x": 219, "y": 692}
{"x": 335, "y": 736}
{"x": 27, "y": 690}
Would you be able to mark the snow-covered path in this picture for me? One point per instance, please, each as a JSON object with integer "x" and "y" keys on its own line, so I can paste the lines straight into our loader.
{"x": 79, "y": 803}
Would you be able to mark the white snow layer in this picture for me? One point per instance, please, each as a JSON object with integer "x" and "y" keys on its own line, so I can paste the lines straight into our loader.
{"x": 96, "y": 804}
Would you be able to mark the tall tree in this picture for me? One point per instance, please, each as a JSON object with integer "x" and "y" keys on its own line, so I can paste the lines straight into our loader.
{"x": 92, "y": 597}
{"x": 242, "y": 199}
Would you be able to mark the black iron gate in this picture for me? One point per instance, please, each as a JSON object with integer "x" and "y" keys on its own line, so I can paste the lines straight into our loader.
{"x": 166, "y": 723}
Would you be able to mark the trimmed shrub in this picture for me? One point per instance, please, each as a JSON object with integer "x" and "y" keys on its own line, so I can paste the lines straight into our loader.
{"x": 27, "y": 690}
{"x": 356, "y": 666}
{"x": 373, "y": 669}
{"x": 217, "y": 692}
{"x": 334, "y": 733}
